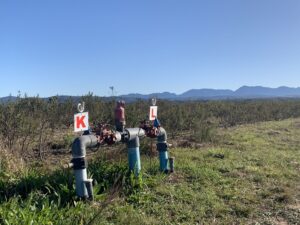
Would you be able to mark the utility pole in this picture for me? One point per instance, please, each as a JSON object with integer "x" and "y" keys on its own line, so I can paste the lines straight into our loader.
{"x": 112, "y": 88}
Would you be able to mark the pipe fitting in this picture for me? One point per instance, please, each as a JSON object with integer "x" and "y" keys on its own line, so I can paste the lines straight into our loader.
{"x": 79, "y": 163}
{"x": 162, "y": 135}
{"x": 162, "y": 147}
{"x": 81, "y": 143}
{"x": 133, "y": 133}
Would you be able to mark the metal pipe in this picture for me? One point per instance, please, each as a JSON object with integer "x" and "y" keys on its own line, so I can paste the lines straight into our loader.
{"x": 162, "y": 148}
{"x": 79, "y": 162}
{"x": 132, "y": 133}
{"x": 118, "y": 136}
{"x": 134, "y": 160}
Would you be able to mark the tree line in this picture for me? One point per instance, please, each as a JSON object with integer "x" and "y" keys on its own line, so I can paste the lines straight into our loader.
{"x": 31, "y": 122}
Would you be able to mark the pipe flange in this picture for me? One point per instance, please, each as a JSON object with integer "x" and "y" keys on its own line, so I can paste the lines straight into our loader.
{"x": 162, "y": 147}
{"x": 79, "y": 163}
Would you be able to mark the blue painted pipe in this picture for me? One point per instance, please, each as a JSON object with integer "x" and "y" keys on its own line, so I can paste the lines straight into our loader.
{"x": 134, "y": 159}
{"x": 162, "y": 148}
{"x": 163, "y": 156}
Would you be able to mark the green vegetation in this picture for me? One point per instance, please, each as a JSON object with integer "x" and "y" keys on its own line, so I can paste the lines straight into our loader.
{"x": 232, "y": 167}
{"x": 250, "y": 174}
{"x": 33, "y": 127}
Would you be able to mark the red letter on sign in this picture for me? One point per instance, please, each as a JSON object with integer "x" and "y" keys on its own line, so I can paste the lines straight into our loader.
{"x": 152, "y": 114}
{"x": 80, "y": 122}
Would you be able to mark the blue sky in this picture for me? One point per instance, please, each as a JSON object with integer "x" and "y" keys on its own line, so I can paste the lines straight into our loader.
{"x": 72, "y": 47}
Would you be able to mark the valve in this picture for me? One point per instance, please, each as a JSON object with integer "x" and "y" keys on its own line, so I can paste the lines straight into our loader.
{"x": 150, "y": 129}
{"x": 105, "y": 134}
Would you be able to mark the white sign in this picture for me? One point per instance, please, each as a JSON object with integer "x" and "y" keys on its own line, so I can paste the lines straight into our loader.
{"x": 81, "y": 122}
{"x": 153, "y": 113}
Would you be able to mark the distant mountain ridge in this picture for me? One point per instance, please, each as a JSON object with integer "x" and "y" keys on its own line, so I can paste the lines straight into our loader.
{"x": 244, "y": 92}
{"x": 206, "y": 93}
{"x": 267, "y": 92}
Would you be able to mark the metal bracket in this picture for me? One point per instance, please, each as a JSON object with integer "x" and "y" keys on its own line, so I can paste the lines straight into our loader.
{"x": 153, "y": 100}
{"x": 80, "y": 107}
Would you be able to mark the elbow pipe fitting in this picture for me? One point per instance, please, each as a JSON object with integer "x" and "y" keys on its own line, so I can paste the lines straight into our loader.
{"x": 81, "y": 143}
{"x": 162, "y": 135}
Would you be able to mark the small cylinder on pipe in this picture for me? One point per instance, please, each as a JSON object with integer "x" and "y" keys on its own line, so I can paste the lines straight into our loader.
{"x": 171, "y": 164}
{"x": 89, "y": 188}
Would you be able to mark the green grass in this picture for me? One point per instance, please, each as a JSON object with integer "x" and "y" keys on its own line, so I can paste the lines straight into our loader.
{"x": 251, "y": 176}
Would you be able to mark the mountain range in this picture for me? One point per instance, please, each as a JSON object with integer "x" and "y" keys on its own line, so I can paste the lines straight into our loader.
{"x": 244, "y": 92}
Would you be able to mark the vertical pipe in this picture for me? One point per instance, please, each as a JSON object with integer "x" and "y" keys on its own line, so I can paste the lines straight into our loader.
{"x": 80, "y": 177}
{"x": 79, "y": 163}
{"x": 162, "y": 148}
{"x": 134, "y": 155}
{"x": 163, "y": 156}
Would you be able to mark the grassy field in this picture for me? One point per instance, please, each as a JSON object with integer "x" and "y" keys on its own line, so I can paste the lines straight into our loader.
{"x": 250, "y": 176}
